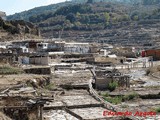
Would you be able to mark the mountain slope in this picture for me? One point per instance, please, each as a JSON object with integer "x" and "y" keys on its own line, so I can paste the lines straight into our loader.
{"x": 104, "y": 22}
{"x": 53, "y": 7}
{"x": 36, "y": 11}
{"x": 111, "y": 22}
{"x": 17, "y": 29}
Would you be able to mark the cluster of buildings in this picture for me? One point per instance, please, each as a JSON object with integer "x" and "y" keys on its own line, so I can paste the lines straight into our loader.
{"x": 64, "y": 55}
{"x": 60, "y": 54}
{"x": 47, "y": 52}
{"x": 40, "y": 52}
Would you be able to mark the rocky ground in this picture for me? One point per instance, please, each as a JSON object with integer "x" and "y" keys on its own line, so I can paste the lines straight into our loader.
{"x": 5, "y": 36}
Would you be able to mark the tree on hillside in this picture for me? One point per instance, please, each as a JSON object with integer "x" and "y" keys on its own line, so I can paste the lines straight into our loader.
{"x": 71, "y": 17}
{"x": 151, "y": 2}
{"x": 107, "y": 16}
{"x": 90, "y": 1}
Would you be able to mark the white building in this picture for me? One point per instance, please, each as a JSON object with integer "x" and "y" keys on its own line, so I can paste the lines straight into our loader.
{"x": 81, "y": 48}
{"x": 42, "y": 46}
{"x": 3, "y": 46}
{"x": 24, "y": 50}
{"x": 40, "y": 59}
{"x": 55, "y": 46}
{"x": 104, "y": 52}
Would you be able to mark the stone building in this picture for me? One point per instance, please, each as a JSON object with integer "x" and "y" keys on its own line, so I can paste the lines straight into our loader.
{"x": 81, "y": 48}
{"x": 104, "y": 77}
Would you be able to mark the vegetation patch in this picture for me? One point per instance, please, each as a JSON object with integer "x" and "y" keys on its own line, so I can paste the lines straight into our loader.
{"x": 50, "y": 86}
{"x": 114, "y": 100}
{"x": 105, "y": 94}
{"x": 112, "y": 85}
{"x": 119, "y": 99}
{"x": 6, "y": 70}
{"x": 130, "y": 96}
{"x": 153, "y": 87}
{"x": 157, "y": 110}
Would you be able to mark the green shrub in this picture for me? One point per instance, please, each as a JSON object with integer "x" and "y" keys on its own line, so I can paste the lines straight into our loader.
{"x": 119, "y": 99}
{"x": 112, "y": 86}
{"x": 130, "y": 96}
{"x": 114, "y": 100}
{"x": 157, "y": 110}
{"x": 50, "y": 86}
{"x": 105, "y": 94}
{"x": 5, "y": 70}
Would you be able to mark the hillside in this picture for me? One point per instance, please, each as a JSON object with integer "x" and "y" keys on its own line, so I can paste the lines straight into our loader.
{"x": 16, "y": 30}
{"x": 25, "y": 15}
{"x": 126, "y": 22}
{"x": 103, "y": 22}
{"x": 38, "y": 10}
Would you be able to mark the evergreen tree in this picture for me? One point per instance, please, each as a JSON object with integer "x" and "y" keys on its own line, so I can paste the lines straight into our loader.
{"x": 90, "y": 1}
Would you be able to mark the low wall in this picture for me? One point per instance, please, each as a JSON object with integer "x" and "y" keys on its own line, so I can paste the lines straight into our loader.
{"x": 39, "y": 70}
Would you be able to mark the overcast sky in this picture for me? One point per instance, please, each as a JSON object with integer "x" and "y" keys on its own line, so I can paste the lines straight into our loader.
{"x": 15, "y": 6}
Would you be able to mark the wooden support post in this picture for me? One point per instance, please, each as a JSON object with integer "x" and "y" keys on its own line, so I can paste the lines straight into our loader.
{"x": 151, "y": 61}
{"x": 128, "y": 82}
{"x": 41, "y": 112}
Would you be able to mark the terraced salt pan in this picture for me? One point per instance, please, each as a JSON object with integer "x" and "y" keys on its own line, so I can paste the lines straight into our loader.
{"x": 91, "y": 113}
{"x": 58, "y": 115}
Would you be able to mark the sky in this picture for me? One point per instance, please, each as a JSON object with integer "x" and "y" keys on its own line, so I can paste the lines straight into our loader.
{"x": 15, "y": 6}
